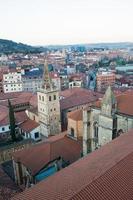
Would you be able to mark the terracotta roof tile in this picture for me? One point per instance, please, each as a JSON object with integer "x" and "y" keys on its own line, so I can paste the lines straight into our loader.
{"x": 78, "y": 96}
{"x": 124, "y": 102}
{"x": 28, "y": 125}
{"x": 55, "y": 147}
{"x": 76, "y": 115}
{"x": 104, "y": 174}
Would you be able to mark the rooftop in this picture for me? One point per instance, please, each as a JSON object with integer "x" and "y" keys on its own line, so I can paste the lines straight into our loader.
{"x": 124, "y": 102}
{"x": 29, "y": 125}
{"x": 77, "y": 96}
{"x": 76, "y": 115}
{"x": 54, "y": 147}
{"x": 104, "y": 174}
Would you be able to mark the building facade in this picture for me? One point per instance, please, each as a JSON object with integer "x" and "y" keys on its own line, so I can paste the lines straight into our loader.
{"x": 104, "y": 79}
{"x": 12, "y": 82}
{"x": 106, "y": 120}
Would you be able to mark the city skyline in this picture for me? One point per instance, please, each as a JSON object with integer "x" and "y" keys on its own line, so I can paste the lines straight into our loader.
{"x": 50, "y": 22}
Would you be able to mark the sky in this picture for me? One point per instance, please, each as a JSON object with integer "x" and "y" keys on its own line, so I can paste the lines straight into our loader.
{"x": 50, "y": 22}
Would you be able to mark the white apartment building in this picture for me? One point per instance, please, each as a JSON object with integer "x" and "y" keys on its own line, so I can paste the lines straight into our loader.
{"x": 12, "y": 82}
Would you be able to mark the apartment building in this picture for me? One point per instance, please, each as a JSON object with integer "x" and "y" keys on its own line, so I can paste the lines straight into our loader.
{"x": 12, "y": 81}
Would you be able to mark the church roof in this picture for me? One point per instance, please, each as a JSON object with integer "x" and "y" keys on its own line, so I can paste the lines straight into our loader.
{"x": 104, "y": 174}
{"x": 77, "y": 96}
{"x": 57, "y": 146}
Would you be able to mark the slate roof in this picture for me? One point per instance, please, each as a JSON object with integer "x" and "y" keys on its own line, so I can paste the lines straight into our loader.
{"x": 106, "y": 173}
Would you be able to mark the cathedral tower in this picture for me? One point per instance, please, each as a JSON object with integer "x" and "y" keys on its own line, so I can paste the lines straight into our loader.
{"x": 48, "y": 106}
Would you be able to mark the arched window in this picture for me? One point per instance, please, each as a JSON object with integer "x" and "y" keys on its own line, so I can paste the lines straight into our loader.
{"x": 95, "y": 130}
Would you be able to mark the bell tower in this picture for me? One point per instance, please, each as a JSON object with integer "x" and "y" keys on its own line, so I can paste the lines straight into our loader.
{"x": 48, "y": 106}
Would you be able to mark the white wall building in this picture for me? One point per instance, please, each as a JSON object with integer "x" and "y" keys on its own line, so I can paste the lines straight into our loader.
{"x": 12, "y": 82}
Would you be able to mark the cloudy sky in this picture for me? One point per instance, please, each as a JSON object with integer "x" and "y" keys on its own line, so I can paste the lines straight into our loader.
{"x": 42, "y": 22}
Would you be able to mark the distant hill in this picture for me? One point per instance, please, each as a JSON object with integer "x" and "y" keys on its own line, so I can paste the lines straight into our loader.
{"x": 120, "y": 45}
{"x": 8, "y": 47}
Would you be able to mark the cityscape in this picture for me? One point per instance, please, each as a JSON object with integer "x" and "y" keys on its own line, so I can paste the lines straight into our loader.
{"x": 66, "y": 100}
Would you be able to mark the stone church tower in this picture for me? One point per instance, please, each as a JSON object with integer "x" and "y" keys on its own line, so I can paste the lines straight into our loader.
{"x": 48, "y": 106}
{"x": 107, "y": 119}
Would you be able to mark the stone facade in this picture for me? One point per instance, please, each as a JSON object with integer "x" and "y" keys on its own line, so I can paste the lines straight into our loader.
{"x": 101, "y": 125}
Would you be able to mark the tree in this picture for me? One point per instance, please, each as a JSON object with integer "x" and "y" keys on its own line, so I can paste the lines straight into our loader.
{"x": 12, "y": 122}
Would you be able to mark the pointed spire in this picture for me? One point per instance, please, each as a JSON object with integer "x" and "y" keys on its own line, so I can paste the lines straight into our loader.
{"x": 46, "y": 78}
{"x": 109, "y": 97}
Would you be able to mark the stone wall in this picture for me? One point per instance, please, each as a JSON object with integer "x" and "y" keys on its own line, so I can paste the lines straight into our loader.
{"x": 6, "y": 151}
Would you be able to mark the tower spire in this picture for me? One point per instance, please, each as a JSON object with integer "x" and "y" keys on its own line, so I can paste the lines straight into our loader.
{"x": 46, "y": 78}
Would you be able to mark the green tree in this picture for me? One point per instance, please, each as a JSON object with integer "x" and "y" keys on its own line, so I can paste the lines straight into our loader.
{"x": 12, "y": 122}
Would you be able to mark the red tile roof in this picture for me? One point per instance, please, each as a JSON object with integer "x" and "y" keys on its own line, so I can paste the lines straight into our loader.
{"x": 106, "y": 173}
{"x": 29, "y": 125}
{"x": 76, "y": 115}
{"x": 77, "y": 96}
{"x": 124, "y": 103}
{"x": 75, "y": 91}
{"x": 4, "y": 116}
{"x": 56, "y": 146}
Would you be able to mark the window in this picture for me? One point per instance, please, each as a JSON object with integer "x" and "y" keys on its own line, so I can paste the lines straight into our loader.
{"x": 51, "y": 110}
{"x": 39, "y": 97}
{"x": 36, "y": 135}
{"x": 42, "y": 98}
{"x": 72, "y": 132}
{"x": 9, "y": 127}
{"x": 49, "y": 98}
{"x": 54, "y": 97}
{"x": 3, "y": 129}
{"x": 54, "y": 109}
{"x": 96, "y": 130}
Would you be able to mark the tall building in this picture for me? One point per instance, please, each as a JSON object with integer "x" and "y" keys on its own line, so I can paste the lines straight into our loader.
{"x": 48, "y": 106}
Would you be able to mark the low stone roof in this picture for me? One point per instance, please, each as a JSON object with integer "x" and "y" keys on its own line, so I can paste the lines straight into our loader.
{"x": 106, "y": 173}
{"x": 55, "y": 147}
